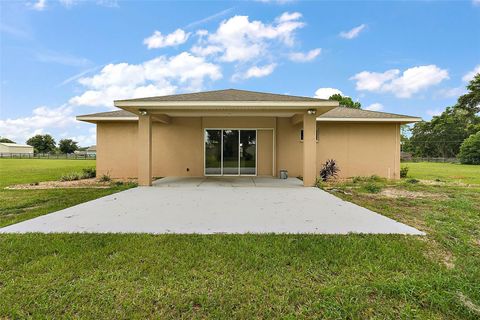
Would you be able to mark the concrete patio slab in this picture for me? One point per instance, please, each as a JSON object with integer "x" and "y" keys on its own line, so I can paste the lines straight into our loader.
{"x": 208, "y": 206}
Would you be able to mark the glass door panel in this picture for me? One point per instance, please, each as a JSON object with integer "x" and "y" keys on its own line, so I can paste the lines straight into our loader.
{"x": 213, "y": 152}
{"x": 230, "y": 151}
{"x": 248, "y": 157}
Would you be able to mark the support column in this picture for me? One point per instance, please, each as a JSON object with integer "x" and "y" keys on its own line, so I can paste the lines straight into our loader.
{"x": 145, "y": 150}
{"x": 309, "y": 149}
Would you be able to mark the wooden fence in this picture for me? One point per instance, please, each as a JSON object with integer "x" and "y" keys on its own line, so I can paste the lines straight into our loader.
{"x": 72, "y": 156}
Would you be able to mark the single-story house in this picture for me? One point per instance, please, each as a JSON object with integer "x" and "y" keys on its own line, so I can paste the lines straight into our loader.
{"x": 91, "y": 151}
{"x": 6, "y": 147}
{"x": 238, "y": 132}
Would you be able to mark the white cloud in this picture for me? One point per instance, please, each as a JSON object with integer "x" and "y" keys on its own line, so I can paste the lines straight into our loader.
{"x": 256, "y": 72}
{"x": 325, "y": 93}
{"x": 451, "y": 92}
{"x": 476, "y": 2}
{"x": 353, "y": 33}
{"x": 375, "y": 107}
{"x": 373, "y": 81}
{"x": 305, "y": 57}
{"x": 403, "y": 85}
{"x": 288, "y": 16}
{"x": 158, "y": 40}
{"x": 433, "y": 113}
{"x": 21, "y": 129}
{"x": 469, "y": 75}
{"x": 39, "y": 5}
{"x": 238, "y": 39}
{"x": 82, "y": 139}
{"x": 160, "y": 76}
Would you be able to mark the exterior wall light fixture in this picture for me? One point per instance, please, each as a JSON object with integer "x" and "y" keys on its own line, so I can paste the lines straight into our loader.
{"x": 311, "y": 111}
{"x": 143, "y": 112}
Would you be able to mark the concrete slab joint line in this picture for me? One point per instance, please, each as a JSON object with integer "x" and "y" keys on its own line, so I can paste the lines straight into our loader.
{"x": 216, "y": 205}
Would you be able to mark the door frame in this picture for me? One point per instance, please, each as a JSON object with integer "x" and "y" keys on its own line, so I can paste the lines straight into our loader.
{"x": 221, "y": 152}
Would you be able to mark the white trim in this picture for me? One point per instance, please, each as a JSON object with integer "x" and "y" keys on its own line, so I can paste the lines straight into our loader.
{"x": 223, "y": 104}
{"x": 320, "y": 119}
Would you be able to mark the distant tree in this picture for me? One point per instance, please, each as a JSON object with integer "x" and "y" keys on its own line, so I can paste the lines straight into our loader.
{"x": 470, "y": 150}
{"x": 67, "y": 146}
{"x": 405, "y": 138}
{"x": 345, "y": 101}
{"x": 443, "y": 135}
{"x": 471, "y": 100}
{"x": 6, "y": 140}
{"x": 42, "y": 143}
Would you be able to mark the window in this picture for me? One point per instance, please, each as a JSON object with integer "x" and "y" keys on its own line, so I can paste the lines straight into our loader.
{"x": 301, "y": 134}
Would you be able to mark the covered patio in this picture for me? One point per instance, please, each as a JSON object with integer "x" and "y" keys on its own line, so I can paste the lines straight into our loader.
{"x": 229, "y": 115}
{"x": 227, "y": 181}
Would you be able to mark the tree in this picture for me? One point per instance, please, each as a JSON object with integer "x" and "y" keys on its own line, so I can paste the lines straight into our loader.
{"x": 471, "y": 100}
{"x": 443, "y": 135}
{"x": 6, "y": 140}
{"x": 42, "y": 143}
{"x": 470, "y": 150}
{"x": 345, "y": 101}
{"x": 67, "y": 146}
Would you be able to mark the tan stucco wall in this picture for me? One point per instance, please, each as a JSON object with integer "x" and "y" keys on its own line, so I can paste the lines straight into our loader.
{"x": 265, "y": 152}
{"x": 361, "y": 149}
{"x": 117, "y": 149}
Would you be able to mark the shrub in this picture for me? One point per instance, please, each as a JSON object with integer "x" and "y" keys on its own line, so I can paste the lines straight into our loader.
{"x": 88, "y": 173}
{"x": 470, "y": 150}
{"x": 105, "y": 178}
{"x": 71, "y": 176}
{"x": 329, "y": 170}
{"x": 373, "y": 187}
{"x": 404, "y": 172}
{"x": 358, "y": 179}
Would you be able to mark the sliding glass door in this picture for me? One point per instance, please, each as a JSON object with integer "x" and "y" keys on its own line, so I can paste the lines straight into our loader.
{"x": 230, "y": 152}
{"x": 248, "y": 152}
{"x": 213, "y": 152}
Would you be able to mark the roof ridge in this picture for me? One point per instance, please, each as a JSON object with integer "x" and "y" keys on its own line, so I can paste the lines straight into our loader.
{"x": 210, "y": 96}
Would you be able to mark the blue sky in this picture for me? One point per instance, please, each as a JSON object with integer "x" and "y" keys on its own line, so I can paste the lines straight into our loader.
{"x": 59, "y": 59}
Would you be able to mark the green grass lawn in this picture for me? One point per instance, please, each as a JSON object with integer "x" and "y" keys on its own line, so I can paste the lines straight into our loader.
{"x": 451, "y": 172}
{"x": 19, "y": 205}
{"x": 258, "y": 276}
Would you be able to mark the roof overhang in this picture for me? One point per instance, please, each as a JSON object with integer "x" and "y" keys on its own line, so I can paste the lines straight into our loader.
{"x": 225, "y": 108}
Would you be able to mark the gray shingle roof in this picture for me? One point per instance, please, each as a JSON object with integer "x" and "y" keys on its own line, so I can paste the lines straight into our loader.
{"x": 338, "y": 112}
{"x": 342, "y": 112}
{"x": 227, "y": 95}
{"x": 110, "y": 114}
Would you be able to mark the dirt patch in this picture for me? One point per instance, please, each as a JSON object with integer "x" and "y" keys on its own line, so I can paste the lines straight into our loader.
{"x": 83, "y": 183}
{"x": 468, "y": 303}
{"x": 400, "y": 193}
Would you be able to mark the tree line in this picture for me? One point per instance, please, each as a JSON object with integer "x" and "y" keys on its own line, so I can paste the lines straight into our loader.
{"x": 453, "y": 133}
{"x": 45, "y": 143}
